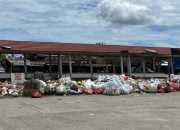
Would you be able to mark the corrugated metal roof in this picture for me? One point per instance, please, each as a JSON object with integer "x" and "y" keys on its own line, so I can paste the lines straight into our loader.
{"x": 27, "y": 46}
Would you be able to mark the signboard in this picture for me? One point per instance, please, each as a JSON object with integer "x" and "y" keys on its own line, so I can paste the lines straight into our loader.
{"x": 17, "y": 78}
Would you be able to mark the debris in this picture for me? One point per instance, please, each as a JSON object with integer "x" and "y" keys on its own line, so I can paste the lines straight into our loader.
{"x": 104, "y": 84}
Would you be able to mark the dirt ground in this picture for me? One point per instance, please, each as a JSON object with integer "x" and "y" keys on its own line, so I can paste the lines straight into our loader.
{"x": 96, "y": 112}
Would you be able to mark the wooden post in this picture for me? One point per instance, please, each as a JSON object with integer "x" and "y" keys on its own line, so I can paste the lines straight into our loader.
{"x": 70, "y": 67}
{"x": 59, "y": 66}
{"x": 143, "y": 65}
{"x": 25, "y": 66}
{"x": 91, "y": 67}
{"x": 50, "y": 66}
{"x": 154, "y": 64}
{"x": 122, "y": 70}
{"x": 129, "y": 65}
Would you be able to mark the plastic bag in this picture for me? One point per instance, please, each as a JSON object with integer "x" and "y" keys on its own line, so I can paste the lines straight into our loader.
{"x": 164, "y": 88}
{"x": 88, "y": 91}
{"x": 116, "y": 87}
{"x": 36, "y": 95}
{"x": 98, "y": 87}
{"x": 60, "y": 90}
{"x": 88, "y": 84}
{"x": 65, "y": 80}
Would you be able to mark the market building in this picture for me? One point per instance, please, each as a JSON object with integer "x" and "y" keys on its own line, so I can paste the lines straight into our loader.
{"x": 53, "y": 60}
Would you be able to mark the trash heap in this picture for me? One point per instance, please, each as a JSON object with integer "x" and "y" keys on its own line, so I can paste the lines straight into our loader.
{"x": 175, "y": 82}
{"x": 8, "y": 89}
{"x": 104, "y": 84}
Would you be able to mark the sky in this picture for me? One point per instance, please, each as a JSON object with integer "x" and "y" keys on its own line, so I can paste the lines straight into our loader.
{"x": 122, "y": 22}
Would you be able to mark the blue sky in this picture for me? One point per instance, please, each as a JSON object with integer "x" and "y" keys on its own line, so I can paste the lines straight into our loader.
{"x": 125, "y": 22}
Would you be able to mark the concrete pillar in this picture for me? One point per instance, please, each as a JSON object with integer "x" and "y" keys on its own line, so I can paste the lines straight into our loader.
{"x": 171, "y": 64}
{"x": 25, "y": 66}
{"x": 11, "y": 69}
{"x": 159, "y": 65}
{"x": 70, "y": 66}
{"x": 129, "y": 65}
{"x": 60, "y": 72}
{"x": 122, "y": 70}
{"x": 50, "y": 65}
{"x": 154, "y": 64}
{"x": 114, "y": 67}
{"x": 106, "y": 66}
{"x": 91, "y": 67}
{"x": 143, "y": 65}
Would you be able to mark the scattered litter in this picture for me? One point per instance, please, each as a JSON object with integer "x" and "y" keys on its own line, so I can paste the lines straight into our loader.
{"x": 91, "y": 114}
{"x": 104, "y": 84}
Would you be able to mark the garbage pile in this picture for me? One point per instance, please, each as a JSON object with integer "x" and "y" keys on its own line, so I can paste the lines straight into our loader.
{"x": 175, "y": 82}
{"x": 104, "y": 84}
{"x": 8, "y": 89}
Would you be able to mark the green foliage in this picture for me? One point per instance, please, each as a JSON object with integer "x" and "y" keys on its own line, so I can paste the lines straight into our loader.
{"x": 2, "y": 57}
{"x": 32, "y": 56}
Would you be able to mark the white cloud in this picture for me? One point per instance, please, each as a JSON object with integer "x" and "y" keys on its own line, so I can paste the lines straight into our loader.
{"x": 76, "y": 21}
{"x": 124, "y": 12}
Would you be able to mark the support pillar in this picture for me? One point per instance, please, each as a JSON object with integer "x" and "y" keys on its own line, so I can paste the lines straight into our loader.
{"x": 114, "y": 67}
{"x": 122, "y": 70}
{"x": 60, "y": 73}
{"x": 106, "y": 66}
{"x": 159, "y": 65}
{"x": 70, "y": 67}
{"x": 11, "y": 69}
{"x": 91, "y": 67}
{"x": 143, "y": 65}
{"x": 50, "y": 66}
{"x": 25, "y": 66}
{"x": 154, "y": 64}
{"x": 172, "y": 66}
{"x": 169, "y": 66}
{"x": 129, "y": 65}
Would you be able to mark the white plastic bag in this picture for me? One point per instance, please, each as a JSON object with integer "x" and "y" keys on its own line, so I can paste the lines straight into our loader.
{"x": 61, "y": 90}
{"x": 88, "y": 84}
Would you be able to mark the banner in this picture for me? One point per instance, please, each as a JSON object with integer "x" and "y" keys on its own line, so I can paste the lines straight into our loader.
{"x": 17, "y": 78}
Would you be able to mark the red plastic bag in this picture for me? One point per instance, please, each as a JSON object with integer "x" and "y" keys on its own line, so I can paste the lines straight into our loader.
{"x": 126, "y": 78}
{"x": 98, "y": 91}
{"x": 88, "y": 91}
{"x": 1, "y": 90}
{"x": 164, "y": 88}
{"x": 175, "y": 87}
{"x": 36, "y": 95}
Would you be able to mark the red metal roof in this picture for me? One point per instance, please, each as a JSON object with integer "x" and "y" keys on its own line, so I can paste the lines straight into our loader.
{"x": 27, "y": 46}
